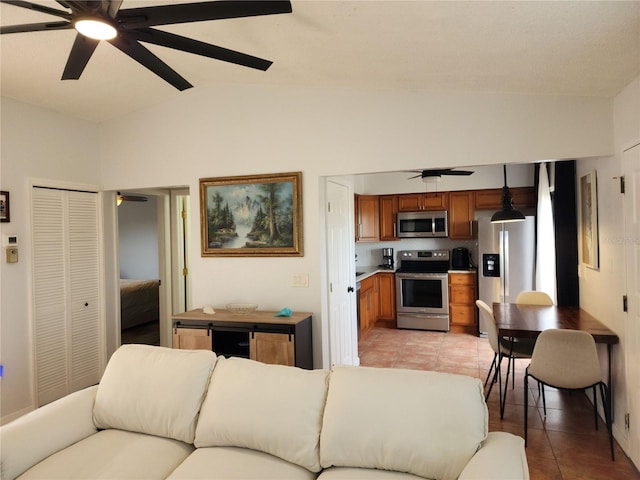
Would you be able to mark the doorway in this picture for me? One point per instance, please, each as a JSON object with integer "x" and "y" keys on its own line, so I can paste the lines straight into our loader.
{"x": 152, "y": 254}
{"x": 139, "y": 267}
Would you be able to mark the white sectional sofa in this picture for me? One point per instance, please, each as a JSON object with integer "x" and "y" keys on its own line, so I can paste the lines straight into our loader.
{"x": 160, "y": 413}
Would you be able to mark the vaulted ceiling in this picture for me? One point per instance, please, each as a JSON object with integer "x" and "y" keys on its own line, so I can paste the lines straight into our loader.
{"x": 585, "y": 48}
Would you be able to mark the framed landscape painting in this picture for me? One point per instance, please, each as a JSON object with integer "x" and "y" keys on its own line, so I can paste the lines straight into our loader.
{"x": 251, "y": 215}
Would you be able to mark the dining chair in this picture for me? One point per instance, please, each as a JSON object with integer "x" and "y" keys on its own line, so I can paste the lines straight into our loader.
{"x": 501, "y": 347}
{"x": 568, "y": 360}
{"x": 534, "y": 297}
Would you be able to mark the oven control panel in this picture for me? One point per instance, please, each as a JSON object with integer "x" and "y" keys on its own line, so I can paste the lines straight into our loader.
{"x": 424, "y": 255}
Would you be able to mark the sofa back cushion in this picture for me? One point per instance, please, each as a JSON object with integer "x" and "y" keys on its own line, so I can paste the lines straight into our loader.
{"x": 425, "y": 423}
{"x": 271, "y": 408}
{"x": 154, "y": 390}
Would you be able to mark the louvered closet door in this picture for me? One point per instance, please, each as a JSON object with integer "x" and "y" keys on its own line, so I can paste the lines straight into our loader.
{"x": 67, "y": 305}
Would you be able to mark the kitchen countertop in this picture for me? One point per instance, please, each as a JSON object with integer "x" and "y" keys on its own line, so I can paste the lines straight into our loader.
{"x": 365, "y": 272}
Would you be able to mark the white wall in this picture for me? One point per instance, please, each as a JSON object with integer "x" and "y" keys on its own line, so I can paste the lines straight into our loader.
{"x": 234, "y": 130}
{"x": 138, "y": 239}
{"x": 601, "y": 290}
{"x": 38, "y": 144}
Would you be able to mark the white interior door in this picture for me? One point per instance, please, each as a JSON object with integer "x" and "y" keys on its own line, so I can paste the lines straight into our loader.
{"x": 343, "y": 338}
{"x": 631, "y": 171}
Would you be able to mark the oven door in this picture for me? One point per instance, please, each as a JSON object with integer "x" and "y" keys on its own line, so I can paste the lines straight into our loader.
{"x": 425, "y": 293}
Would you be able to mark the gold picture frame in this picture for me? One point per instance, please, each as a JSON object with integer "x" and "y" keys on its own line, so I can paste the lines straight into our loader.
{"x": 251, "y": 216}
{"x": 589, "y": 247}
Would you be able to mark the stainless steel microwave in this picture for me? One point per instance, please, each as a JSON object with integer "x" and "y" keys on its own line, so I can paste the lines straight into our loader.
{"x": 422, "y": 224}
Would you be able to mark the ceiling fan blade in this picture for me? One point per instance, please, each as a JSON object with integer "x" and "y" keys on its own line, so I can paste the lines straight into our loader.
{"x": 38, "y": 8}
{"x": 142, "y": 55}
{"x": 415, "y": 176}
{"x": 35, "y": 27}
{"x": 457, "y": 172}
{"x": 166, "y": 39}
{"x": 198, "y": 12}
{"x": 81, "y": 52}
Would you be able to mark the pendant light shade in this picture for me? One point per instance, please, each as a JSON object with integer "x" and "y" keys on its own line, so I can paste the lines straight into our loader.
{"x": 507, "y": 213}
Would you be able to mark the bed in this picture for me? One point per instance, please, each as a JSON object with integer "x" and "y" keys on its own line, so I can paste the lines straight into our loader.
{"x": 139, "y": 302}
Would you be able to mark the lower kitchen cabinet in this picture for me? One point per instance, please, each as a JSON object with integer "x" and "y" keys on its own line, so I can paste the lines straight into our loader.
{"x": 369, "y": 303}
{"x": 259, "y": 336}
{"x": 463, "y": 315}
{"x": 387, "y": 293}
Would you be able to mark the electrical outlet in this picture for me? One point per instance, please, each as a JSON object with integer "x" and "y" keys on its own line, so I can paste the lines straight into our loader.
{"x": 300, "y": 280}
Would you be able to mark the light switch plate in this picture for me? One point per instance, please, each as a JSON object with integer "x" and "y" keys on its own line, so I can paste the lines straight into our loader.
{"x": 300, "y": 280}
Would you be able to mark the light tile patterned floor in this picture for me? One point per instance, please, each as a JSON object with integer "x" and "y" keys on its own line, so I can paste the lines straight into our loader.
{"x": 564, "y": 445}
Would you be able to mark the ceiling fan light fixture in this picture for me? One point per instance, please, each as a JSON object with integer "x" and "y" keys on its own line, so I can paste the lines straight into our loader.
{"x": 95, "y": 28}
{"x": 508, "y": 213}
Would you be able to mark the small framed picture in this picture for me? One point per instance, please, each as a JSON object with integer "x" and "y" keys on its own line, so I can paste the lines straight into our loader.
{"x": 5, "y": 215}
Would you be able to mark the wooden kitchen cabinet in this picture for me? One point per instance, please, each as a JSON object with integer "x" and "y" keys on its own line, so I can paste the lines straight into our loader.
{"x": 462, "y": 302}
{"x": 367, "y": 218}
{"x": 388, "y": 217}
{"x": 387, "y": 293}
{"x": 461, "y": 213}
{"x": 491, "y": 199}
{"x": 369, "y": 303}
{"x": 414, "y": 202}
{"x": 259, "y": 335}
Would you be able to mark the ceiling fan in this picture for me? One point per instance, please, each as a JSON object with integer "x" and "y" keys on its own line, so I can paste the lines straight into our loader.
{"x": 435, "y": 174}
{"x": 125, "y": 197}
{"x": 97, "y": 20}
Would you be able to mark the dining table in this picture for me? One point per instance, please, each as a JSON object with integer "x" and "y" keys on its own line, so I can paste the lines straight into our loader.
{"x": 520, "y": 321}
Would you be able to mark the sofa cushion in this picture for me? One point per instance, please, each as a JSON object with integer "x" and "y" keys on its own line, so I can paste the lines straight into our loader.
{"x": 425, "y": 423}
{"x": 154, "y": 390}
{"x": 113, "y": 454}
{"x": 271, "y": 408}
{"x": 232, "y": 463}
{"x": 347, "y": 473}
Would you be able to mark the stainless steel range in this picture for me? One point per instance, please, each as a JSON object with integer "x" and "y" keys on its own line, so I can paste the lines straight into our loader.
{"x": 422, "y": 290}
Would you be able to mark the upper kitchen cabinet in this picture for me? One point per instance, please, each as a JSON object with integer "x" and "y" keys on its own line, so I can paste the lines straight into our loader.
{"x": 461, "y": 212}
{"x": 415, "y": 202}
{"x": 388, "y": 217}
{"x": 491, "y": 199}
{"x": 367, "y": 218}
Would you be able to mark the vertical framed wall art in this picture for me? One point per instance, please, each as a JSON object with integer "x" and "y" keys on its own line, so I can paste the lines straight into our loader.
{"x": 589, "y": 247}
{"x": 251, "y": 215}
{"x": 5, "y": 212}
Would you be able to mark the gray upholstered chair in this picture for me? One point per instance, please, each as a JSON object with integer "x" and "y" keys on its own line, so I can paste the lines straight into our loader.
{"x": 568, "y": 360}
{"x": 534, "y": 297}
{"x": 501, "y": 348}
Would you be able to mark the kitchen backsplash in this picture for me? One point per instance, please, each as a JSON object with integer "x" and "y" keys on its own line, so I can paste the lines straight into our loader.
{"x": 370, "y": 253}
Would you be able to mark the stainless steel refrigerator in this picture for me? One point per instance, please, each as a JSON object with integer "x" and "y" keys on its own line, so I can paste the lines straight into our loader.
{"x": 506, "y": 256}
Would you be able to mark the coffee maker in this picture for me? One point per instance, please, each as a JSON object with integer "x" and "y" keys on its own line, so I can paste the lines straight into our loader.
{"x": 387, "y": 258}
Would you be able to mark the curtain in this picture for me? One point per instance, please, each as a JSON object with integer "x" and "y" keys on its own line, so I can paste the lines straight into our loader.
{"x": 545, "y": 241}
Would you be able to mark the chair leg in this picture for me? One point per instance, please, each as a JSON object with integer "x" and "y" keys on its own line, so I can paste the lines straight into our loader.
{"x": 496, "y": 372}
{"x": 503, "y": 396}
{"x": 607, "y": 415}
{"x": 595, "y": 406}
{"x": 526, "y": 404}
{"x": 513, "y": 374}
{"x": 493, "y": 363}
{"x": 544, "y": 400}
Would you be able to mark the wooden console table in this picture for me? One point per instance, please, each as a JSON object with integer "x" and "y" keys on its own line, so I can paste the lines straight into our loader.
{"x": 259, "y": 335}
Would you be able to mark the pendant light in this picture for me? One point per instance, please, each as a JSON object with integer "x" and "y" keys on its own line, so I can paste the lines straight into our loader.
{"x": 508, "y": 213}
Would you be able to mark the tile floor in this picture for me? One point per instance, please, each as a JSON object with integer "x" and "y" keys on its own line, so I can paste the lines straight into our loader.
{"x": 565, "y": 445}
